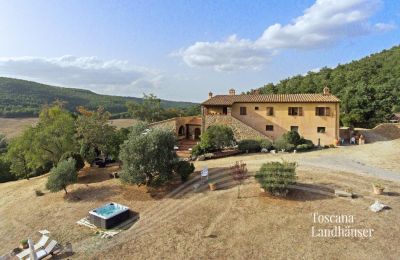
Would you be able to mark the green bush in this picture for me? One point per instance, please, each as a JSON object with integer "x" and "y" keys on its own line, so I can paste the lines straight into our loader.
{"x": 80, "y": 163}
{"x": 62, "y": 175}
{"x": 266, "y": 144}
{"x": 197, "y": 150}
{"x": 275, "y": 177}
{"x": 184, "y": 169}
{"x": 292, "y": 140}
{"x": 282, "y": 144}
{"x": 216, "y": 137}
{"x": 249, "y": 145}
{"x": 292, "y": 137}
{"x": 5, "y": 172}
{"x": 302, "y": 147}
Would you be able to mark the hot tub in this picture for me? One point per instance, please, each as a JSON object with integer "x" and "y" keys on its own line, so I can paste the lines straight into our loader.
{"x": 109, "y": 215}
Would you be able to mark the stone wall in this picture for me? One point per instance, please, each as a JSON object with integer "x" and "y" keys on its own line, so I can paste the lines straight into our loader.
{"x": 240, "y": 130}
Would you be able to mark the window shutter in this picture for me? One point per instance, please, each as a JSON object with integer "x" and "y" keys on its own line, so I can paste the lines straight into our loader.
{"x": 327, "y": 111}
{"x": 316, "y": 111}
{"x": 300, "y": 111}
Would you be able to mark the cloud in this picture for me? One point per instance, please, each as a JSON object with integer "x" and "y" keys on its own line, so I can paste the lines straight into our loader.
{"x": 324, "y": 23}
{"x": 229, "y": 55}
{"x": 111, "y": 77}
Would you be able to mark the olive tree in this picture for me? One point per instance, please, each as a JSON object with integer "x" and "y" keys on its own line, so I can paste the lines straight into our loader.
{"x": 62, "y": 175}
{"x": 148, "y": 156}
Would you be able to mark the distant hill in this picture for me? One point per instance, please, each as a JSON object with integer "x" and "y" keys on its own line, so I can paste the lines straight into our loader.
{"x": 369, "y": 88}
{"x": 22, "y": 98}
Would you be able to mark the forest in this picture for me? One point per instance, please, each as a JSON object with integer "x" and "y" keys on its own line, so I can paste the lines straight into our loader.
{"x": 21, "y": 98}
{"x": 369, "y": 88}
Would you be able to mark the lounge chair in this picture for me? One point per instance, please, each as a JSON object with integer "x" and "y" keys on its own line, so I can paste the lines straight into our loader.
{"x": 42, "y": 242}
{"x": 50, "y": 248}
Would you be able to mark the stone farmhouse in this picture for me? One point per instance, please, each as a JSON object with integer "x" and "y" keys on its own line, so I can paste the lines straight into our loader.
{"x": 313, "y": 116}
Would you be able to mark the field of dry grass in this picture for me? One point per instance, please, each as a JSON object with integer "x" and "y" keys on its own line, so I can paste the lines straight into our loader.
{"x": 217, "y": 225}
{"x": 12, "y": 127}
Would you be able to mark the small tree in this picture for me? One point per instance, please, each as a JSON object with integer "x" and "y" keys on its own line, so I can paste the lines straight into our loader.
{"x": 239, "y": 174}
{"x": 184, "y": 169}
{"x": 148, "y": 156}
{"x": 62, "y": 175}
{"x": 275, "y": 177}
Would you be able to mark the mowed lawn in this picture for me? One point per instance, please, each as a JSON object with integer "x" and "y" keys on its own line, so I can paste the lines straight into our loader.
{"x": 207, "y": 224}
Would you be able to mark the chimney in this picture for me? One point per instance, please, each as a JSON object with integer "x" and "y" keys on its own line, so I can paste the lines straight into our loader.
{"x": 210, "y": 95}
{"x": 326, "y": 91}
{"x": 231, "y": 92}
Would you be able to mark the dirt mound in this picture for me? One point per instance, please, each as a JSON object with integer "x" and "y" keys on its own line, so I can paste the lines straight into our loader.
{"x": 382, "y": 132}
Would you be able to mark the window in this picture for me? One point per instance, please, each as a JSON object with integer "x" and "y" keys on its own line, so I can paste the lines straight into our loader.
{"x": 321, "y": 129}
{"x": 294, "y": 128}
{"x": 256, "y": 108}
{"x": 322, "y": 111}
{"x": 269, "y": 128}
{"x": 270, "y": 111}
{"x": 295, "y": 111}
{"x": 243, "y": 111}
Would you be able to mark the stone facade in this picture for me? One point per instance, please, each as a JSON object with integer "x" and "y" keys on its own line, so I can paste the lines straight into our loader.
{"x": 183, "y": 127}
{"x": 240, "y": 129}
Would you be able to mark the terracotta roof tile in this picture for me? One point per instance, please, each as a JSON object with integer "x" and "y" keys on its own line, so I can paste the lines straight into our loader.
{"x": 195, "y": 121}
{"x": 271, "y": 98}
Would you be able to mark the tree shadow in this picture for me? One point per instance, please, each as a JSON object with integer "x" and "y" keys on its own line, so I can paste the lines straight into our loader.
{"x": 95, "y": 174}
{"x": 391, "y": 194}
{"x": 305, "y": 192}
{"x": 91, "y": 194}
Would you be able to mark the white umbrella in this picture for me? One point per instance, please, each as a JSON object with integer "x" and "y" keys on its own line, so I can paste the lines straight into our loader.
{"x": 32, "y": 253}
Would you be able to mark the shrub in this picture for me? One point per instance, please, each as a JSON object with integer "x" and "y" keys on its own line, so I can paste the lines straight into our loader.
{"x": 62, "y": 175}
{"x": 80, "y": 163}
{"x": 282, "y": 144}
{"x": 249, "y": 145}
{"x": 275, "y": 177}
{"x": 5, "y": 172}
{"x": 302, "y": 147}
{"x": 45, "y": 168}
{"x": 184, "y": 169}
{"x": 265, "y": 144}
{"x": 38, "y": 193}
{"x": 292, "y": 140}
{"x": 197, "y": 150}
{"x": 216, "y": 137}
{"x": 292, "y": 137}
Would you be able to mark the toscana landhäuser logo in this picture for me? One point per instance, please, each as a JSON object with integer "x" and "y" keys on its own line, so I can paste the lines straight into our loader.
{"x": 336, "y": 226}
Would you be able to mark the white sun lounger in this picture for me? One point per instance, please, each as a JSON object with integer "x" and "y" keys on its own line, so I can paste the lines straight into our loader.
{"x": 42, "y": 242}
{"x": 50, "y": 248}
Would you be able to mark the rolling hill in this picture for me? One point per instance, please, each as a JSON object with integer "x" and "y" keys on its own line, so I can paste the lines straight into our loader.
{"x": 369, "y": 88}
{"x": 22, "y": 98}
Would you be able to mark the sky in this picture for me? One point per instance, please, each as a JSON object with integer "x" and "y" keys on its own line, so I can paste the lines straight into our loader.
{"x": 180, "y": 50}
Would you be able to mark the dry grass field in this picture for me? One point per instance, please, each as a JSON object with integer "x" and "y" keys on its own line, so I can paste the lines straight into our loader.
{"x": 12, "y": 127}
{"x": 217, "y": 225}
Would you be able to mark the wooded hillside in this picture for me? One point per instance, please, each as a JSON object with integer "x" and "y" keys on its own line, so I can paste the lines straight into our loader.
{"x": 369, "y": 88}
{"x": 21, "y": 98}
